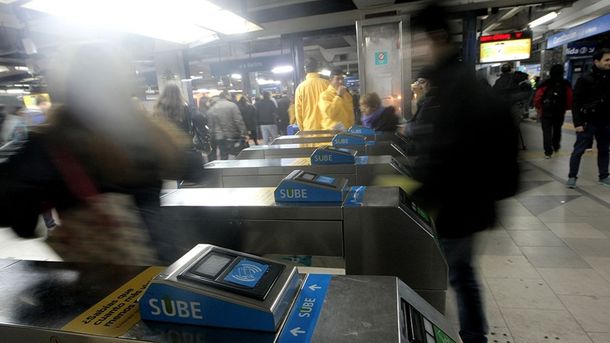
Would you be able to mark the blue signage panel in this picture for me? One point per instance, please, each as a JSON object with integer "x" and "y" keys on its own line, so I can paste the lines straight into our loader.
{"x": 247, "y": 273}
{"x": 355, "y": 196}
{"x": 291, "y": 191}
{"x": 361, "y": 130}
{"x": 330, "y": 156}
{"x": 580, "y": 49}
{"x": 348, "y": 139}
{"x": 306, "y": 311}
{"x": 588, "y": 29}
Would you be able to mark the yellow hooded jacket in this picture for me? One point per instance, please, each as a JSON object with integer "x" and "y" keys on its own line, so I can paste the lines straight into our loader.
{"x": 306, "y": 109}
{"x": 338, "y": 111}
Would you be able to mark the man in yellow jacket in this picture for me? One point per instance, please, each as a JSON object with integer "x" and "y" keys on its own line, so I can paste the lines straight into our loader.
{"x": 306, "y": 109}
{"x": 336, "y": 104}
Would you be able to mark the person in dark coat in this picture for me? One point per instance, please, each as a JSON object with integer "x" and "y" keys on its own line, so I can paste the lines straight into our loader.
{"x": 457, "y": 124}
{"x": 283, "y": 119}
{"x": 376, "y": 116}
{"x": 552, "y": 99}
{"x": 248, "y": 112}
{"x": 266, "y": 118}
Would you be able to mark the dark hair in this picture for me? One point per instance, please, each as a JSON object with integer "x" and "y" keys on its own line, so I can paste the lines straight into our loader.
{"x": 171, "y": 104}
{"x": 506, "y": 68}
{"x": 432, "y": 19}
{"x": 556, "y": 71}
{"x": 266, "y": 95}
{"x": 336, "y": 72}
{"x": 311, "y": 65}
{"x": 372, "y": 100}
{"x": 599, "y": 53}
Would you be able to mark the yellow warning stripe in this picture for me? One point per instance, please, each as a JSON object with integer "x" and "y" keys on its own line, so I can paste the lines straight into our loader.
{"x": 118, "y": 312}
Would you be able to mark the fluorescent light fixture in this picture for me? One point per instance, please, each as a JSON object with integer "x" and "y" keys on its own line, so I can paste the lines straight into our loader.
{"x": 282, "y": 70}
{"x": 325, "y": 72}
{"x": 180, "y": 21}
{"x": 267, "y": 82}
{"x": 544, "y": 19}
{"x": 236, "y": 76}
{"x": 22, "y": 68}
{"x": 3, "y": 69}
{"x": 15, "y": 91}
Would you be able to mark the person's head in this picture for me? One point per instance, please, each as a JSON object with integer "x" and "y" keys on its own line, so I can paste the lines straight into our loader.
{"x": 556, "y": 72}
{"x": 224, "y": 95}
{"x": 311, "y": 65}
{"x": 369, "y": 103}
{"x": 170, "y": 104}
{"x": 336, "y": 78}
{"x": 432, "y": 36}
{"x": 172, "y": 95}
{"x": 42, "y": 103}
{"x": 601, "y": 59}
{"x": 266, "y": 95}
{"x": 506, "y": 68}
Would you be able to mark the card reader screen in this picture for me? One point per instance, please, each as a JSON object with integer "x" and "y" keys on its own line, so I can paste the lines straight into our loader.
{"x": 247, "y": 273}
{"x": 213, "y": 265}
{"x": 308, "y": 176}
{"x": 327, "y": 180}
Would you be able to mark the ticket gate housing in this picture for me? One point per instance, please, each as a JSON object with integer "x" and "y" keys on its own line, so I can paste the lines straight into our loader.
{"x": 385, "y": 234}
{"x": 40, "y": 297}
{"x": 269, "y": 172}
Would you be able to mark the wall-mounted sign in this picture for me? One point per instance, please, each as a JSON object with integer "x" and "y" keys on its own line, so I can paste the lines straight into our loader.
{"x": 588, "y": 29}
{"x": 580, "y": 50}
{"x": 504, "y": 36}
{"x": 381, "y": 57}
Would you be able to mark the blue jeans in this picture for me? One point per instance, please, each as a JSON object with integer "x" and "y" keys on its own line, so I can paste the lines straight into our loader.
{"x": 583, "y": 141}
{"x": 463, "y": 280}
{"x": 269, "y": 133}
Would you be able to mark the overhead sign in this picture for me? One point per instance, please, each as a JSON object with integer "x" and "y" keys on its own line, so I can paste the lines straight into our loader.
{"x": 579, "y": 50}
{"x": 508, "y": 50}
{"x": 588, "y": 29}
{"x": 504, "y": 36}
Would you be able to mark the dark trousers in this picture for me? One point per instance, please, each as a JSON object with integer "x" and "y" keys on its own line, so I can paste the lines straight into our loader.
{"x": 212, "y": 155}
{"x": 551, "y": 132}
{"x": 463, "y": 280}
{"x": 583, "y": 141}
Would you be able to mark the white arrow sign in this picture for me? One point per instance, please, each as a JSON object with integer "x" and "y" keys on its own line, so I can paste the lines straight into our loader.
{"x": 296, "y": 331}
{"x": 314, "y": 287}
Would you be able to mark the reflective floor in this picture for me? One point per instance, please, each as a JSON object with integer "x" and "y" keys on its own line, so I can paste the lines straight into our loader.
{"x": 545, "y": 268}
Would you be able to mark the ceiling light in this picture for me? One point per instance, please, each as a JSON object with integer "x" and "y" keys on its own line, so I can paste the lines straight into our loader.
{"x": 180, "y": 21}
{"x": 236, "y": 76}
{"x": 267, "y": 82}
{"x": 3, "y": 69}
{"x": 325, "y": 72}
{"x": 282, "y": 70}
{"x": 544, "y": 19}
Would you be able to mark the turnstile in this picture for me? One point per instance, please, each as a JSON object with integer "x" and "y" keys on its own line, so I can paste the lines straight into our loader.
{"x": 269, "y": 172}
{"x": 382, "y": 233}
{"x": 328, "y": 136}
{"x": 41, "y": 300}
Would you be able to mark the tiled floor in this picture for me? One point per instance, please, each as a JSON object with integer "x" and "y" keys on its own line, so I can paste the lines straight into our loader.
{"x": 545, "y": 268}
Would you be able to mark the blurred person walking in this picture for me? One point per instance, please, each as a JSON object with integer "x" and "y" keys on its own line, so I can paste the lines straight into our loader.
{"x": 100, "y": 162}
{"x": 445, "y": 136}
{"x": 553, "y": 98}
{"x": 336, "y": 104}
{"x": 591, "y": 116}
{"x": 376, "y": 116}
{"x": 227, "y": 126}
{"x": 248, "y": 112}
{"x": 283, "y": 118}
{"x": 308, "y": 115}
{"x": 266, "y": 118}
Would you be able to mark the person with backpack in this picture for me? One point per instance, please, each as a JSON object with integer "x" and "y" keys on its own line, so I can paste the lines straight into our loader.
{"x": 553, "y": 97}
{"x": 591, "y": 115}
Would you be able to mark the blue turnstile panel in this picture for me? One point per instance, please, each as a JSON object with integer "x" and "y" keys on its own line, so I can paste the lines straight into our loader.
{"x": 361, "y": 130}
{"x": 333, "y": 155}
{"x": 303, "y": 186}
{"x": 349, "y": 139}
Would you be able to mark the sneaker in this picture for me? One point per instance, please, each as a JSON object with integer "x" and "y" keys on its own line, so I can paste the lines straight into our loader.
{"x": 605, "y": 182}
{"x": 571, "y": 182}
{"x": 546, "y": 157}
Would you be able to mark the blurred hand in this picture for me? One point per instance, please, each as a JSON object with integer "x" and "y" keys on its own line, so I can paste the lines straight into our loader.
{"x": 579, "y": 129}
{"x": 341, "y": 90}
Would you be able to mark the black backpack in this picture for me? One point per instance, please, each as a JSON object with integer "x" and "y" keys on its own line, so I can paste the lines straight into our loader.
{"x": 554, "y": 97}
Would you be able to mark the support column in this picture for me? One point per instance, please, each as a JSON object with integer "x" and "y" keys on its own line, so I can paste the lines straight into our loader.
{"x": 550, "y": 57}
{"x": 469, "y": 40}
{"x": 298, "y": 57}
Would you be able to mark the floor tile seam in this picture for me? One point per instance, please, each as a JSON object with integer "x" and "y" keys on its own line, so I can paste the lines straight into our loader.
{"x": 578, "y": 189}
{"x": 573, "y": 316}
{"x": 600, "y": 275}
{"x": 499, "y": 310}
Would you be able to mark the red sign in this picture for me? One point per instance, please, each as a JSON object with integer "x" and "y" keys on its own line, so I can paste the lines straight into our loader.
{"x": 502, "y": 36}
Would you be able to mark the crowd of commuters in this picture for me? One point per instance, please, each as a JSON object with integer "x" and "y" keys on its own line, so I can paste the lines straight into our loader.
{"x": 81, "y": 152}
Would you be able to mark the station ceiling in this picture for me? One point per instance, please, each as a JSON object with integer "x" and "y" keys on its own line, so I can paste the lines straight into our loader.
{"x": 327, "y": 28}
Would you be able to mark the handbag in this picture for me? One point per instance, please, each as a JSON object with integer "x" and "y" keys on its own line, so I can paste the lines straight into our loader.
{"x": 104, "y": 228}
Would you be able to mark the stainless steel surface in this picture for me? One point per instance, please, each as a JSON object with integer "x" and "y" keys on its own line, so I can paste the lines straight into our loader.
{"x": 356, "y": 308}
{"x": 317, "y": 132}
{"x": 382, "y": 237}
{"x": 269, "y": 172}
{"x": 394, "y": 149}
{"x": 327, "y": 137}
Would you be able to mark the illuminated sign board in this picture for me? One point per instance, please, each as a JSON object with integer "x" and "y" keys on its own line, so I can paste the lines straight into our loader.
{"x": 505, "y": 47}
